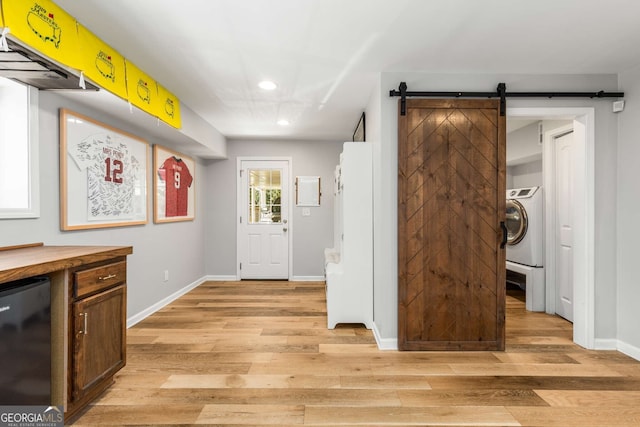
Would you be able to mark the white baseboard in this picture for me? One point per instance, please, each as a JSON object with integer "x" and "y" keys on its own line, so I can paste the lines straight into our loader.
{"x": 307, "y": 279}
{"x": 622, "y": 347}
{"x": 221, "y": 278}
{"x": 136, "y": 318}
{"x": 384, "y": 343}
{"x": 605, "y": 344}
{"x": 629, "y": 350}
{"x": 293, "y": 278}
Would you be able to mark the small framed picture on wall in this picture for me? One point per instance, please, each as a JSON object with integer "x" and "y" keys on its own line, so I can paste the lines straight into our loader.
{"x": 174, "y": 186}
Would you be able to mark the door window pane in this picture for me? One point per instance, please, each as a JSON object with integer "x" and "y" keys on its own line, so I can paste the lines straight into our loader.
{"x": 265, "y": 196}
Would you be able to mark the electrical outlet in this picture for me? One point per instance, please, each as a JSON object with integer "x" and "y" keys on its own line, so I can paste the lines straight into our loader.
{"x": 166, "y": 275}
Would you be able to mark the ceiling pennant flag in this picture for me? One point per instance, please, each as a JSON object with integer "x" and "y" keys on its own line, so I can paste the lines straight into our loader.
{"x": 48, "y": 29}
{"x": 169, "y": 108}
{"x": 44, "y": 26}
{"x": 1, "y": 16}
{"x": 141, "y": 89}
{"x": 102, "y": 64}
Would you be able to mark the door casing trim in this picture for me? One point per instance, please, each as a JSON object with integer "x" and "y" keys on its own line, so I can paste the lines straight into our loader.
{"x": 239, "y": 190}
{"x": 584, "y": 258}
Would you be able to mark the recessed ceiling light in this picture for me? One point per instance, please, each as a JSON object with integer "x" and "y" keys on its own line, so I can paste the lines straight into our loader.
{"x": 267, "y": 85}
{"x": 283, "y": 122}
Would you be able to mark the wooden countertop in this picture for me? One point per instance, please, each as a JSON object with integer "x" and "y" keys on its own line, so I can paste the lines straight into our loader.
{"x": 31, "y": 261}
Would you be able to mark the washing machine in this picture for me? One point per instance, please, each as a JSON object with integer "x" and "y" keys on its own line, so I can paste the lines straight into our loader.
{"x": 525, "y": 243}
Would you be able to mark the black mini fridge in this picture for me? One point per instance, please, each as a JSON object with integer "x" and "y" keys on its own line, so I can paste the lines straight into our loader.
{"x": 25, "y": 342}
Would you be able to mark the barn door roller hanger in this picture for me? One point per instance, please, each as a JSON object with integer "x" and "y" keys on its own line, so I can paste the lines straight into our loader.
{"x": 501, "y": 92}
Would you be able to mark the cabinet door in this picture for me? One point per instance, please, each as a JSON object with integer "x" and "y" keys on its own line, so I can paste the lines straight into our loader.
{"x": 99, "y": 349}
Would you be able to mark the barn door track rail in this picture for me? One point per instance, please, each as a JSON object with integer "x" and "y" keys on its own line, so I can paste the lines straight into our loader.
{"x": 500, "y": 92}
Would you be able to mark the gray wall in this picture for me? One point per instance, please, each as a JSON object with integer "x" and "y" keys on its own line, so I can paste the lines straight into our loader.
{"x": 524, "y": 157}
{"x": 525, "y": 175}
{"x": 207, "y": 245}
{"x": 524, "y": 154}
{"x": 385, "y": 165}
{"x": 189, "y": 250}
{"x": 177, "y": 247}
{"x": 628, "y": 207}
{"x": 310, "y": 234}
{"x": 523, "y": 145}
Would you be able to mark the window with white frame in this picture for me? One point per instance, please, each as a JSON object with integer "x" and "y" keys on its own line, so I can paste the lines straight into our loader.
{"x": 19, "y": 195}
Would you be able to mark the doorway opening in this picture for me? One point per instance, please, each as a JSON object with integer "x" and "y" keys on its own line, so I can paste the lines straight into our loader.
{"x": 581, "y": 121}
{"x": 263, "y": 228}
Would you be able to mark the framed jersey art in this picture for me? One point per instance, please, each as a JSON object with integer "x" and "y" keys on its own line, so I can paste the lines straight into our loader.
{"x": 174, "y": 186}
{"x": 103, "y": 175}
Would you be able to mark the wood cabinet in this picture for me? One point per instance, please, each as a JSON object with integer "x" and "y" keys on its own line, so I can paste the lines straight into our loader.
{"x": 97, "y": 337}
{"x": 88, "y": 315}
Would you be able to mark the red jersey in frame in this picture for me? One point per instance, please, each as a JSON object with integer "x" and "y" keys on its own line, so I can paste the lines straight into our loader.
{"x": 177, "y": 177}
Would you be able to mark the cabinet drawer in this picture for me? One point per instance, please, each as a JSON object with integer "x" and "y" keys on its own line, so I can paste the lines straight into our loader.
{"x": 95, "y": 279}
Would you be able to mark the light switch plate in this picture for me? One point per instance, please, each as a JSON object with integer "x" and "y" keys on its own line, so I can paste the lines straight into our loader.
{"x": 618, "y": 106}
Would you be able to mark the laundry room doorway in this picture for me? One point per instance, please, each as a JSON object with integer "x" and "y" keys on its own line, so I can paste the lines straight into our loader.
{"x": 580, "y": 264}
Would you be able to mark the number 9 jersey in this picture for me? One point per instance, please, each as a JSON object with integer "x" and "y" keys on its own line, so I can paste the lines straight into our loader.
{"x": 177, "y": 177}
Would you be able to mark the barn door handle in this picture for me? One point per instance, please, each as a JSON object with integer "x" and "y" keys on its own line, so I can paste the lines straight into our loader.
{"x": 504, "y": 234}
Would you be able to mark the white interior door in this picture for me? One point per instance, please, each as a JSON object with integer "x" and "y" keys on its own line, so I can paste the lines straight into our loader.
{"x": 565, "y": 196}
{"x": 263, "y": 237}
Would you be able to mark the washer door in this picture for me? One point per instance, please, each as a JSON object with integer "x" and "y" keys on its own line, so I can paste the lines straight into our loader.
{"x": 516, "y": 222}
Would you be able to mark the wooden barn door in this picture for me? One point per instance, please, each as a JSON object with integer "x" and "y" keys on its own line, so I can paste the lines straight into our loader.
{"x": 451, "y": 194}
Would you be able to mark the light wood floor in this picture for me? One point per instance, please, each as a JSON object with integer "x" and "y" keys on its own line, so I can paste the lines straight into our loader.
{"x": 259, "y": 353}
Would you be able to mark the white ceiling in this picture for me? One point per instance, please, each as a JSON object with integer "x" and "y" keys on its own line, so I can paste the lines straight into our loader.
{"x": 325, "y": 54}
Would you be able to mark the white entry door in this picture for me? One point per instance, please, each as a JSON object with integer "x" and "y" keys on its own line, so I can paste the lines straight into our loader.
{"x": 565, "y": 196}
{"x": 263, "y": 236}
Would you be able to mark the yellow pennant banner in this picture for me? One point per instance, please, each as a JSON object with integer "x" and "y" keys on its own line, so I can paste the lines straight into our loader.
{"x": 169, "y": 108}
{"x": 44, "y": 26}
{"x": 141, "y": 89}
{"x": 47, "y": 28}
{"x": 102, "y": 64}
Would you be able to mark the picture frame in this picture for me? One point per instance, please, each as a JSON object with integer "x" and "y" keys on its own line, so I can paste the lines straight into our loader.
{"x": 359, "y": 133}
{"x": 103, "y": 174}
{"x": 308, "y": 191}
{"x": 174, "y": 186}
